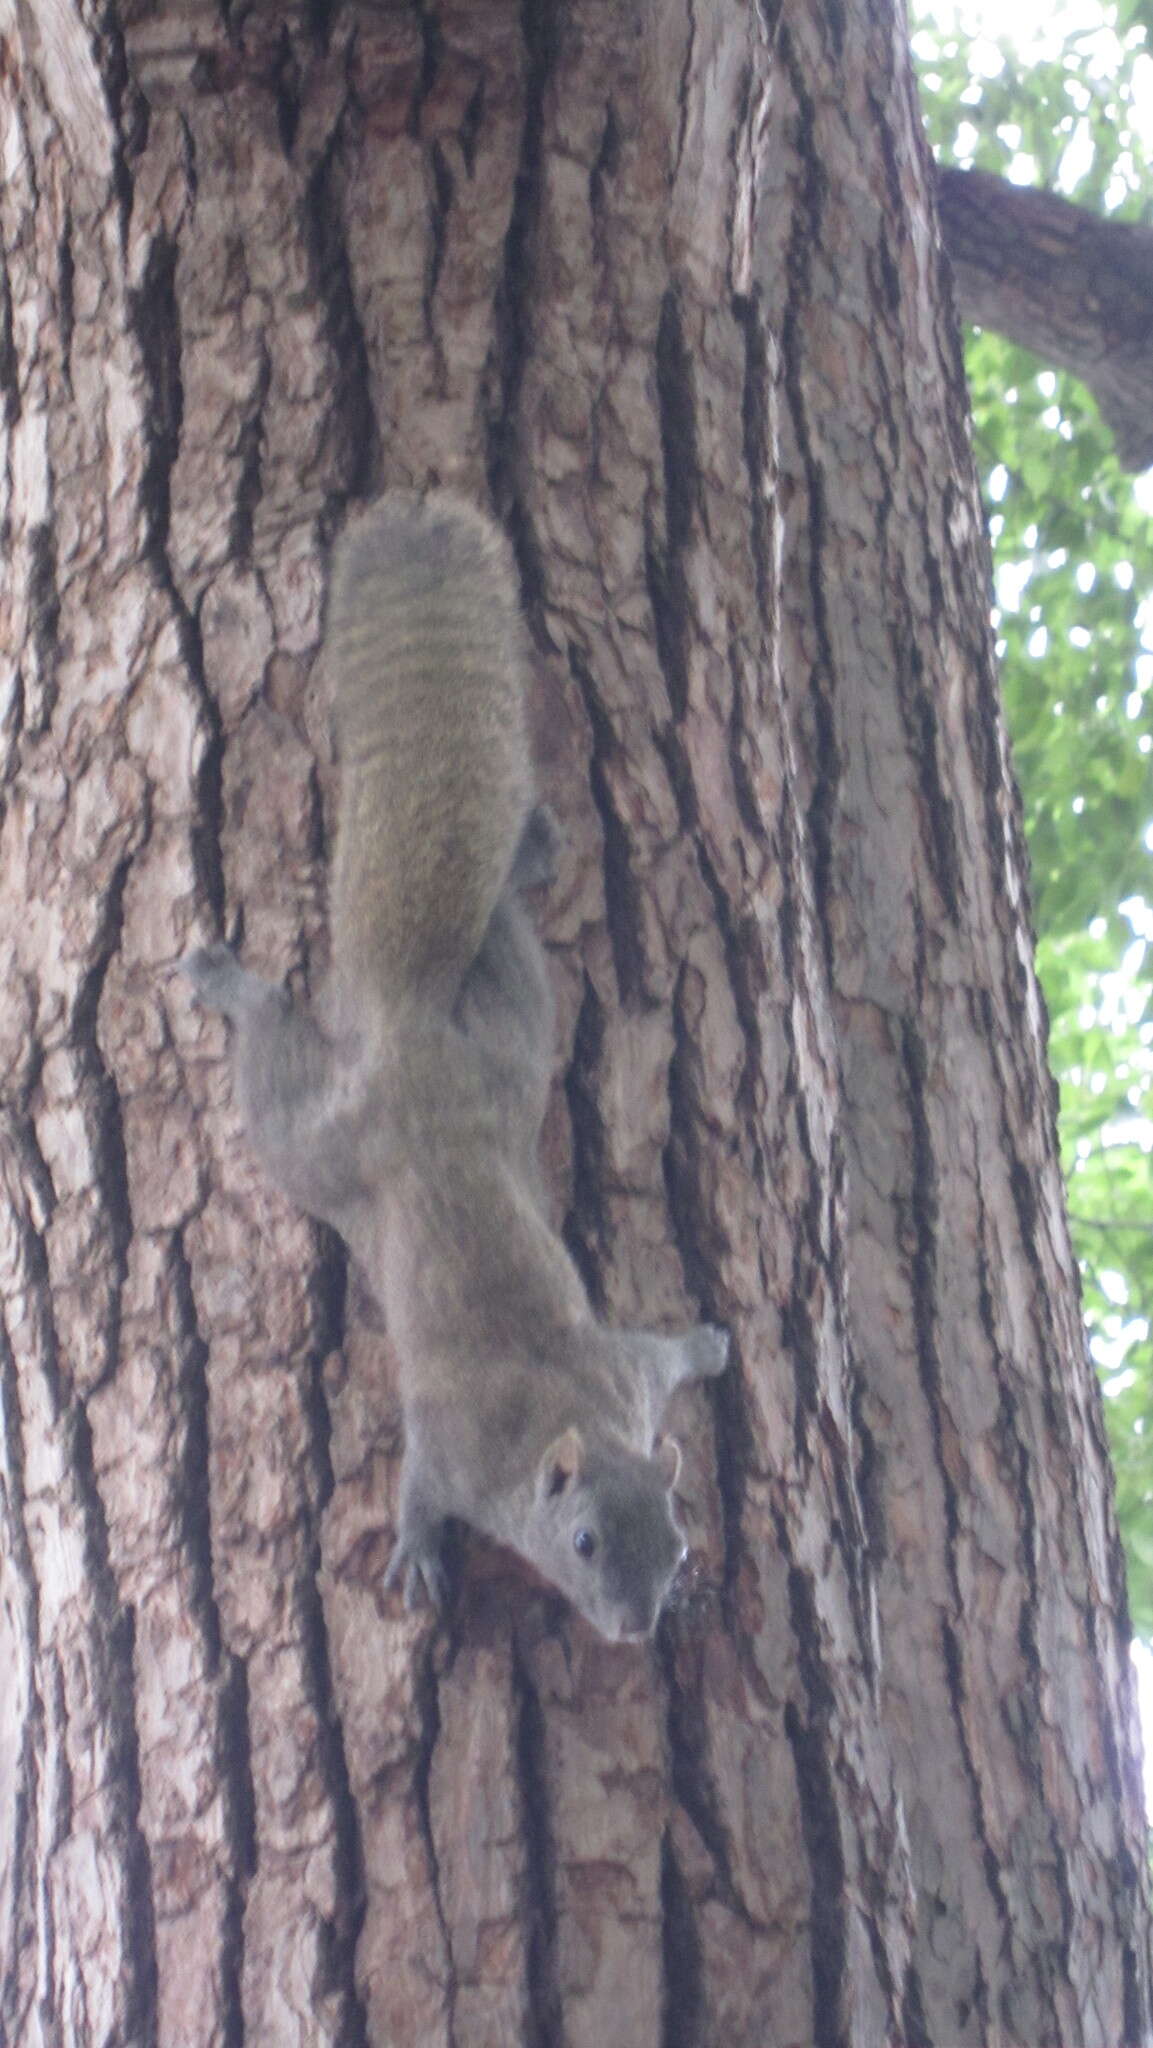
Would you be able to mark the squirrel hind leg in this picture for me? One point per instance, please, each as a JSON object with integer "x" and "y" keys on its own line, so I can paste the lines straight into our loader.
{"x": 505, "y": 1001}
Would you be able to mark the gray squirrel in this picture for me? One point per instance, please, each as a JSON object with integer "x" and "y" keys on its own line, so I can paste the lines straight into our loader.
{"x": 406, "y": 1109}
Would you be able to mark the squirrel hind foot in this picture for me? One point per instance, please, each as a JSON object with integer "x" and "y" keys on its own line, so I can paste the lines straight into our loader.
{"x": 710, "y": 1346}
{"x": 418, "y": 1568}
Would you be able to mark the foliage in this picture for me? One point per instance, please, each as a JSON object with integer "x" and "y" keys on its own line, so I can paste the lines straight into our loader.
{"x": 1073, "y": 566}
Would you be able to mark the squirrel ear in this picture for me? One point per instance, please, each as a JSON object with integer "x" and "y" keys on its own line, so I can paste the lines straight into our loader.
{"x": 667, "y": 1459}
{"x": 561, "y": 1463}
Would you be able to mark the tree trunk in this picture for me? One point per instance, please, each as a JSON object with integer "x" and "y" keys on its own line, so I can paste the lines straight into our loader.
{"x": 877, "y": 1780}
{"x": 1073, "y": 287}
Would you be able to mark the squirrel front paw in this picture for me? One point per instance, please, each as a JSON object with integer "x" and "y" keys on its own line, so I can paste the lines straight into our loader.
{"x": 416, "y": 1561}
{"x": 220, "y": 981}
{"x": 215, "y": 973}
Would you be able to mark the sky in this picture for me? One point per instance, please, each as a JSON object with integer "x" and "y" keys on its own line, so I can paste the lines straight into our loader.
{"x": 1039, "y": 29}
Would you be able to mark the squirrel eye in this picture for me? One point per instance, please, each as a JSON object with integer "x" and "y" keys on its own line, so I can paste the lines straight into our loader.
{"x": 584, "y": 1542}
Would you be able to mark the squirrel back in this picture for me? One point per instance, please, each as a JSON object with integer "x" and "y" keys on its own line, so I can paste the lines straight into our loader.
{"x": 426, "y": 651}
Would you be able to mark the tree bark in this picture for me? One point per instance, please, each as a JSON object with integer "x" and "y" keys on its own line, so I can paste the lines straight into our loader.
{"x": 877, "y": 1780}
{"x": 1075, "y": 288}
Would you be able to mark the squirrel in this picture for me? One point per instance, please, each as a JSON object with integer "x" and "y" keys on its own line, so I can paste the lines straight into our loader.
{"x": 405, "y": 1110}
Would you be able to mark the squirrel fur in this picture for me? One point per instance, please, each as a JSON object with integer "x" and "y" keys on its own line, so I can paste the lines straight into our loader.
{"x": 405, "y": 1110}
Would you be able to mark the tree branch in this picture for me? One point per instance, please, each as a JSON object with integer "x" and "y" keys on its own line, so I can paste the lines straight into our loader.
{"x": 1075, "y": 288}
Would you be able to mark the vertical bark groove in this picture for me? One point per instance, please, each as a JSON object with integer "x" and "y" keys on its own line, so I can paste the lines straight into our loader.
{"x": 685, "y": 2018}
{"x": 234, "y": 1756}
{"x": 809, "y": 1736}
{"x": 544, "y": 2025}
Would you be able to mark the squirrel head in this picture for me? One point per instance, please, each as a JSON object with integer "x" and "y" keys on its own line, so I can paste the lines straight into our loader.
{"x": 604, "y": 1532}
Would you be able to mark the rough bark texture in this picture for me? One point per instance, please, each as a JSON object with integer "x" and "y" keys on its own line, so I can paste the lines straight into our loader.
{"x": 1071, "y": 286}
{"x": 876, "y": 1781}
{"x": 982, "y": 1459}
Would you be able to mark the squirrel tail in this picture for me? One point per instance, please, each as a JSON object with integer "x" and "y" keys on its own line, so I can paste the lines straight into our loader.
{"x": 427, "y": 653}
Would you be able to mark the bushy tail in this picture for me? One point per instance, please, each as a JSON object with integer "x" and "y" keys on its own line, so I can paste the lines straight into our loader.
{"x": 426, "y": 654}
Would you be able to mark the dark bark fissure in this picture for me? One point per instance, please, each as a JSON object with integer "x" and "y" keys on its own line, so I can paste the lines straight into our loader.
{"x": 285, "y": 83}
{"x": 319, "y": 16}
{"x": 623, "y": 907}
{"x": 342, "y": 1930}
{"x": 1133, "y": 1964}
{"x": 327, "y": 1295}
{"x": 692, "y": 1776}
{"x": 685, "y": 2011}
{"x": 354, "y": 436}
{"x": 584, "y": 1223}
{"x": 544, "y": 2027}
{"x": 9, "y": 359}
{"x": 432, "y": 50}
{"x": 800, "y": 1344}
{"x": 126, "y": 105}
{"x": 733, "y": 1438}
{"x": 922, "y": 1221}
{"x": 604, "y": 170}
{"x": 913, "y": 2017}
{"x": 667, "y": 581}
{"x": 808, "y": 1735}
{"x": 804, "y": 238}
{"x": 100, "y": 1103}
{"x": 427, "y": 1702}
{"x": 249, "y": 481}
{"x": 66, "y": 301}
{"x": 154, "y": 315}
{"x": 694, "y": 1230}
{"x": 541, "y": 22}
{"x": 44, "y": 624}
{"x": 440, "y": 174}
{"x": 233, "y": 1742}
{"x": 192, "y": 1494}
{"x": 207, "y": 831}
{"x": 954, "y": 1672}
{"x": 443, "y": 185}
{"x": 924, "y": 734}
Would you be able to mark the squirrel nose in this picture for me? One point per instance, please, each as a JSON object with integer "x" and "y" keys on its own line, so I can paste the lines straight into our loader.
{"x": 638, "y": 1621}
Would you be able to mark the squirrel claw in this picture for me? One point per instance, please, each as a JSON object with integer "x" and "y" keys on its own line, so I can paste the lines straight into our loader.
{"x": 416, "y": 1567}
{"x": 711, "y": 1351}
